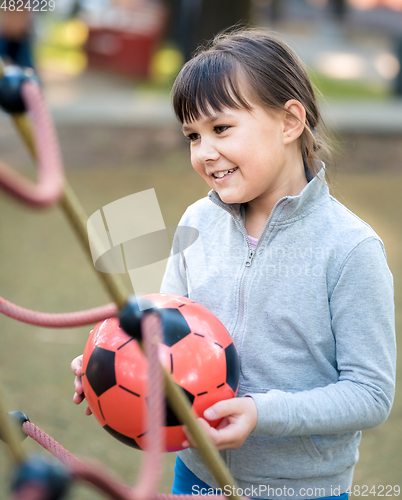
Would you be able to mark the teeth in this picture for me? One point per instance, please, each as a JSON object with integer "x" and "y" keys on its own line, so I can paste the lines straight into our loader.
{"x": 219, "y": 175}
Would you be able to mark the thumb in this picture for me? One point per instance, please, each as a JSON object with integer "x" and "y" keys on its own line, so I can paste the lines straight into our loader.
{"x": 221, "y": 409}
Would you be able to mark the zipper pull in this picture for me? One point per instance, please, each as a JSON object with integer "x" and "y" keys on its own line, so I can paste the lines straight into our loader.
{"x": 250, "y": 258}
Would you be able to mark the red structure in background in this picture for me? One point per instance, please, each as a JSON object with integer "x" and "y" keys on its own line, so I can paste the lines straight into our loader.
{"x": 370, "y": 4}
{"x": 124, "y": 39}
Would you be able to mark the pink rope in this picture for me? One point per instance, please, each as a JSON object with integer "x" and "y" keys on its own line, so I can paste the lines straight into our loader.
{"x": 101, "y": 479}
{"x": 30, "y": 491}
{"x": 46, "y": 191}
{"x": 152, "y": 463}
{"x": 57, "y": 320}
{"x": 52, "y": 446}
{"x": 49, "y": 187}
{"x": 151, "y": 466}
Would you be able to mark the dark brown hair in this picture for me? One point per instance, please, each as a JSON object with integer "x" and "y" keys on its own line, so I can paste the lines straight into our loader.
{"x": 274, "y": 74}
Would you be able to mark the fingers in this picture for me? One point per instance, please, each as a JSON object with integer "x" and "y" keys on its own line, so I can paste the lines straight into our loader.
{"x": 76, "y": 366}
{"x": 78, "y": 398}
{"x": 224, "y": 408}
{"x": 189, "y": 442}
{"x": 239, "y": 418}
{"x": 79, "y": 391}
{"x": 211, "y": 432}
{"x": 78, "y": 385}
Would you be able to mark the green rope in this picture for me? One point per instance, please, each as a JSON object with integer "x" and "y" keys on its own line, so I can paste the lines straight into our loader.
{"x": 9, "y": 432}
{"x": 77, "y": 217}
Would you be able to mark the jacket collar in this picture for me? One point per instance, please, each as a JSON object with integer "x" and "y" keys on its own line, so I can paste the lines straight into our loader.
{"x": 287, "y": 208}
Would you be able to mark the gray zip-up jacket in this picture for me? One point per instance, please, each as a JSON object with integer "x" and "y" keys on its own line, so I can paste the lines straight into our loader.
{"x": 311, "y": 313}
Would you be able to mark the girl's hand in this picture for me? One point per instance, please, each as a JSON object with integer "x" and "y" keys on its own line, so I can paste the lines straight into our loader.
{"x": 239, "y": 420}
{"x": 76, "y": 368}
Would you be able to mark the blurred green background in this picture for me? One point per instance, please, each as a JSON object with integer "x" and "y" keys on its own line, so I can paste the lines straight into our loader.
{"x": 117, "y": 139}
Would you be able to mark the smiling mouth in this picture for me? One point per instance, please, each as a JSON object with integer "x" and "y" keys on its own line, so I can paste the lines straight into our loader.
{"x": 224, "y": 173}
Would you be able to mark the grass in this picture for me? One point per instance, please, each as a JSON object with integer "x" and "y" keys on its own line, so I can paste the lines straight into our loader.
{"x": 334, "y": 88}
{"x": 43, "y": 267}
{"x": 374, "y": 197}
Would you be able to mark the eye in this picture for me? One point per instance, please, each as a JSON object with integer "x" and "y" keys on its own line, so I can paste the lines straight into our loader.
{"x": 192, "y": 137}
{"x": 219, "y": 129}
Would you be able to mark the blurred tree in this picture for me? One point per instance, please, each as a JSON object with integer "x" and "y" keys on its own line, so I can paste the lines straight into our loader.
{"x": 193, "y": 22}
{"x": 339, "y": 9}
{"x": 276, "y": 10}
{"x": 398, "y": 53}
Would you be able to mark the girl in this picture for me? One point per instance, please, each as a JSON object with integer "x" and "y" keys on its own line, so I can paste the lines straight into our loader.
{"x": 300, "y": 282}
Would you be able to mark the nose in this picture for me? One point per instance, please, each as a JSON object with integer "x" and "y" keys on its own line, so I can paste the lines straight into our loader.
{"x": 207, "y": 151}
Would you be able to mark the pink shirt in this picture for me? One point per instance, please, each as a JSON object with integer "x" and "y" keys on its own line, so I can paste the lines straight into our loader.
{"x": 253, "y": 241}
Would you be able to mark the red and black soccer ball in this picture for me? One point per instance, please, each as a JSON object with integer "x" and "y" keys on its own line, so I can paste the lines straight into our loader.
{"x": 197, "y": 351}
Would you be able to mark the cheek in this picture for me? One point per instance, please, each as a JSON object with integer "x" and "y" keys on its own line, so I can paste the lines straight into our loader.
{"x": 194, "y": 164}
{"x": 193, "y": 159}
{"x": 197, "y": 166}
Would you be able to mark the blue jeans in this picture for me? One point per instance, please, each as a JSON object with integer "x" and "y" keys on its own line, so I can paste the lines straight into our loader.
{"x": 186, "y": 482}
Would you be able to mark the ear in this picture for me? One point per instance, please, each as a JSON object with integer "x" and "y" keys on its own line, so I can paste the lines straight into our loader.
{"x": 294, "y": 121}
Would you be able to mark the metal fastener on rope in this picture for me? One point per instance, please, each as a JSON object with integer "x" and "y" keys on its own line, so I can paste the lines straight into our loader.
{"x": 9, "y": 432}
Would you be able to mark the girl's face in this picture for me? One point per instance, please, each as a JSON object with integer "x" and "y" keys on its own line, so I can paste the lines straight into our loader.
{"x": 247, "y": 156}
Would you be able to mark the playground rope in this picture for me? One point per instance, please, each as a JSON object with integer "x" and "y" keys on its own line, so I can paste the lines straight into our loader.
{"x": 49, "y": 190}
{"x": 149, "y": 474}
{"x": 49, "y": 187}
{"x": 100, "y": 479}
{"x": 151, "y": 465}
{"x": 58, "y": 320}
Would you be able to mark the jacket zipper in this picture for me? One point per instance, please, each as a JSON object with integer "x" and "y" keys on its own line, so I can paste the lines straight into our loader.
{"x": 251, "y": 253}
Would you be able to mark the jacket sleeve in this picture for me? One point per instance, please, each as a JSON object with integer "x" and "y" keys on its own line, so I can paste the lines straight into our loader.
{"x": 362, "y": 314}
{"x": 175, "y": 279}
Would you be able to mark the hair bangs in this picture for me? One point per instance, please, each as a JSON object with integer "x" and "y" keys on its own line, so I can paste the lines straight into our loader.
{"x": 207, "y": 84}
